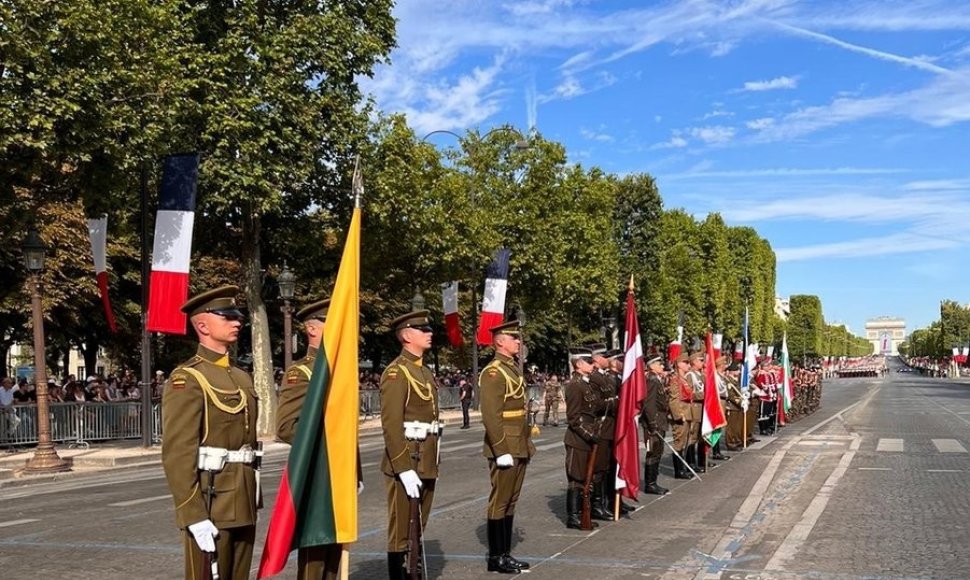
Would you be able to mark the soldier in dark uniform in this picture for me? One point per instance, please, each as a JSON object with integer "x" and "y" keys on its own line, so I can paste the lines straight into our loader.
{"x": 508, "y": 443}
{"x": 313, "y": 562}
{"x": 604, "y": 385}
{"x": 409, "y": 420}
{"x": 680, "y": 395}
{"x": 582, "y": 433}
{"x": 653, "y": 417}
{"x": 615, "y": 358}
{"x": 209, "y": 410}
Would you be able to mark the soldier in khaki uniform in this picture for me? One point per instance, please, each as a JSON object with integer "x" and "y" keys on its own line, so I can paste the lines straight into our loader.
{"x": 734, "y": 411}
{"x": 508, "y": 443}
{"x": 653, "y": 417}
{"x": 209, "y": 410}
{"x": 552, "y": 396}
{"x": 409, "y": 420}
{"x": 313, "y": 562}
{"x": 582, "y": 432}
{"x": 696, "y": 452}
{"x": 680, "y": 394}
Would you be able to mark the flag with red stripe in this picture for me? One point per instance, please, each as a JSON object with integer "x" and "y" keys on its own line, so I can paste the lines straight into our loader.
{"x": 493, "y": 301}
{"x": 98, "y": 232}
{"x": 713, "y": 423}
{"x": 449, "y": 297}
{"x": 168, "y": 286}
{"x": 633, "y": 389}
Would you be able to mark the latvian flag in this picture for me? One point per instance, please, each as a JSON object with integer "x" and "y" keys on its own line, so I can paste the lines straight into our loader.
{"x": 98, "y": 230}
{"x": 449, "y": 296}
{"x": 632, "y": 392}
{"x": 172, "y": 250}
{"x": 493, "y": 302}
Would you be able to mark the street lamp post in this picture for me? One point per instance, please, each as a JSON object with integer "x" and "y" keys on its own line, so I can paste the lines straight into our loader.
{"x": 523, "y": 349}
{"x": 45, "y": 458}
{"x": 287, "y": 282}
{"x": 609, "y": 325}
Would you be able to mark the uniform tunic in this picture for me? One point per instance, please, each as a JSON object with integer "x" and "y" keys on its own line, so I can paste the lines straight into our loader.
{"x": 502, "y": 403}
{"x": 653, "y": 417}
{"x": 582, "y": 408}
{"x": 208, "y": 402}
{"x": 679, "y": 396}
{"x": 408, "y": 393}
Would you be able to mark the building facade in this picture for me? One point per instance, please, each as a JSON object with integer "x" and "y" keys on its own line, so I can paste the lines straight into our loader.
{"x": 885, "y": 333}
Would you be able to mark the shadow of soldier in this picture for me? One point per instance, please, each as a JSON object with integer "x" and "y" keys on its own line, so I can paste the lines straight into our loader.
{"x": 557, "y": 505}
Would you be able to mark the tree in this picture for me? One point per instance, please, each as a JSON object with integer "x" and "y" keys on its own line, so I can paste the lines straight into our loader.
{"x": 805, "y": 325}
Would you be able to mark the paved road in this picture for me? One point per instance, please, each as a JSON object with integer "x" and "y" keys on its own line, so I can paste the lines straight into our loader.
{"x": 874, "y": 485}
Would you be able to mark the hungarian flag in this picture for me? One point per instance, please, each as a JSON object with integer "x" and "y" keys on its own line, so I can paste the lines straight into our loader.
{"x": 493, "y": 302}
{"x": 168, "y": 286}
{"x": 449, "y": 296}
{"x": 317, "y": 500}
{"x": 98, "y": 231}
{"x": 714, "y": 421}
{"x": 787, "y": 395}
{"x": 632, "y": 392}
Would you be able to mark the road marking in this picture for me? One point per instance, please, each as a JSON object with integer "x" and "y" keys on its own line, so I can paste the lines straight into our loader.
{"x": 800, "y": 532}
{"x": 875, "y": 469}
{"x": 893, "y": 445}
{"x": 549, "y": 446}
{"x": 944, "y": 471}
{"x": 138, "y": 501}
{"x": 16, "y": 523}
{"x": 949, "y": 446}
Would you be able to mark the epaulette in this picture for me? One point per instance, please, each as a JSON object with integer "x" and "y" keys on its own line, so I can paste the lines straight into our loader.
{"x": 192, "y": 361}
{"x": 178, "y": 379}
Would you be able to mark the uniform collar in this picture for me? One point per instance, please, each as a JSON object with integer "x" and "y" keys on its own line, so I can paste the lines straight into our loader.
{"x": 216, "y": 358}
{"x": 505, "y": 358}
{"x": 417, "y": 360}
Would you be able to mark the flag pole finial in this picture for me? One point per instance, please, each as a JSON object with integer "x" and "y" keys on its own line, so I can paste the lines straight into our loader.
{"x": 357, "y": 183}
{"x": 630, "y": 287}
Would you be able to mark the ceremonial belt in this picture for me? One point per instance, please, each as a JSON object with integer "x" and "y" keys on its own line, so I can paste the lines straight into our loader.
{"x": 215, "y": 458}
{"x": 512, "y": 414}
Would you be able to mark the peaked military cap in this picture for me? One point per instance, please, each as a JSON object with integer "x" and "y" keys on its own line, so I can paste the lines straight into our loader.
{"x": 723, "y": 360}
{"x": 699, "y": 355}
{"x": 512, "y": 328}
{"x": 656, "y": 358}
{"x": 220, "y": 300}
{"x": 598, "y": 349}
{"x": 578, "y": 352}
{"x": 417, "y": 319}
{"x": 682, "y": 357}
{"x": 614, "y": 354}
{"x": 314, "y": 311}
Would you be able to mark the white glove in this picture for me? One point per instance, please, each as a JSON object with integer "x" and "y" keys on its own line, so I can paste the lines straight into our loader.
{"x": 360, "y": 487}
{"x": 205, "y": 533}
{"x": 504, "y": 460}
{"x": 412, "y": 483}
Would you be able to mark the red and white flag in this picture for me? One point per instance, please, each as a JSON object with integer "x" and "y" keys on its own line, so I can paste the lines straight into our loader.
{"x": 633, "y": 389}
{"x": 493, "y": 301}
{"x": 98, "y": 231}
{"x": 172, "y": 250}
{"x": 713, "y": 422}
{"x": 718, "y": 340}
{"x": 449, "y": 296}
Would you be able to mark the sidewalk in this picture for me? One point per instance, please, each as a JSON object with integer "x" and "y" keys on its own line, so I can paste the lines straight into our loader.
{"x": 129, "y": 454}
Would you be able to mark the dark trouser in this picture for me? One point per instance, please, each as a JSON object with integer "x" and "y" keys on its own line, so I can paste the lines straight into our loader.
{"x": 318, "y": 562}
{"x": 465, "y": 404}
{"x": 234, "y": 551}
{"x": 766, "y": 420}
{"x": 506, "y": 485}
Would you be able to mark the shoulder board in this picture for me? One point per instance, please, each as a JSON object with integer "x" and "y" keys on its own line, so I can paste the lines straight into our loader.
{"x": 491, "y": 372}
{"x": 178, "y": 379}
{"x": 192, "y": 361}
{"x": 391, "y": 372}
{"x": 292, "y": 377}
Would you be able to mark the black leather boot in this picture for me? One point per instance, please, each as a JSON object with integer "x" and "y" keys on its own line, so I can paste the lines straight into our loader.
{"x": 508, "y": 545}
{"x": 497, "y": 561}
{"x": 600, "y": 511}
{"x": 680, "y": 467}
{"x": 653, "y": 471}
{"x": 395, "y": 566}
{"x": 574, "y": 509}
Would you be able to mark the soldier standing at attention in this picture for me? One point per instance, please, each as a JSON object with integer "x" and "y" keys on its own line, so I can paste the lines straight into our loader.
{"x": 605, "y": 388}
{"x": 209, "y": 410}
{"x": 552, "y": 397}
{"x": 465, "y": 395}
{"x": 680, "y": 395}
{"x": 696, "y": 454}
{"x": 653, "y": 417}
{"x": 508, "y": 443}
{"x": 581, "y": 433}
{"x": 409, "y": 421}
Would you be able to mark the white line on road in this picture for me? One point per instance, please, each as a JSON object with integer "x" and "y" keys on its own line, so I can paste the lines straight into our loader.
{"x": 138, "y": 501}
{"x": 549, "y": 446}
{"x": 944, "y": 471}
{"x": 16, "y": 523}
{"x": 893, "y": 445}
{"x": 875, "y": 469}
{"x": 949, "y": 446}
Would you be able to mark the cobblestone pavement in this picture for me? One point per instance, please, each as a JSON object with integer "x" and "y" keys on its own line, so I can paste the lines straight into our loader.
{"x": 873, "y": 485}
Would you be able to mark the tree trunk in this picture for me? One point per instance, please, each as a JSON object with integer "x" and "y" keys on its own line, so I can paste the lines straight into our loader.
{"x": 90, "y": 351}
{"x": 4, "y": 353}
{"x": 262, "y": 347}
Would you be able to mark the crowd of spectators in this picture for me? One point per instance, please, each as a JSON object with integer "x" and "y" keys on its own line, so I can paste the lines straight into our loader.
{"x": 122, "y": 386}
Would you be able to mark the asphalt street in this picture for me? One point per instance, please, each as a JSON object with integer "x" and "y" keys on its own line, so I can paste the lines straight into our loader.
{"x": 873, "y": 485}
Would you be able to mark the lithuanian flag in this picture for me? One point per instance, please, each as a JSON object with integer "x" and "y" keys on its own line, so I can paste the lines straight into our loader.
{"x": 317, "y": 499}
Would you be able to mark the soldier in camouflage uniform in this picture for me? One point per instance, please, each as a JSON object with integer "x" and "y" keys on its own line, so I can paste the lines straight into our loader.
{"x": 552, "y": 396}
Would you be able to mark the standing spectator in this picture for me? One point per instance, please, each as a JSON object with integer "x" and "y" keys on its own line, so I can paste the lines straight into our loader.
{"x": 75, "y": 394}
{"x": 465, "y": 396}
{"x": 6, "y": 393}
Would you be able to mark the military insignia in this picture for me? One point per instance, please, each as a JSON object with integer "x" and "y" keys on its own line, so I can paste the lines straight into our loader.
{"x": 292, "y": 377}
{"x": 492, "y": 373}
{"x": 392, "y": 374}
{"x": 178, "y": 381}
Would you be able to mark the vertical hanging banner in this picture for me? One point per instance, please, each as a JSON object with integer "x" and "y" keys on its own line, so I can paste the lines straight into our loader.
{"x": 712, "y": 425}
{"x": 449, "y": 297}
{"x": 168, "y": 286}
{"x": 493, "y": 301}
{"x": 98, "y": 232}
{"x": 632, "y": 393}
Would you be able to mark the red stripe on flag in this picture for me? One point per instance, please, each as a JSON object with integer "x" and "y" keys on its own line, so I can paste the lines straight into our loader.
{"x": 282, "y": 526}
{"x": 488, "y": 321}
{"x": 632, "y": 392}
{"x": 167, "y": 292}
{"x": 453, "y": 330}
{"x": 103, "y": 288}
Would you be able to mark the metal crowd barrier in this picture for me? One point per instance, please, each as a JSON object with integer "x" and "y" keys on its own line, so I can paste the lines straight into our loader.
{"x": 77, "y": 424}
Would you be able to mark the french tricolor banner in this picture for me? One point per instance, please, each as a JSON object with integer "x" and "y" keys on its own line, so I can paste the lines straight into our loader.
{"x": 98, "y": 231}
{"x": 449, "y": 296}
{"x": 172, "y": 249}
{"x": 493, "y": 302}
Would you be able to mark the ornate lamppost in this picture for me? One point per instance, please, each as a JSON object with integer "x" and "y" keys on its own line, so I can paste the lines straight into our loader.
{"x": 523, "y": 349}
{"x": 45, "y": 458}
{"x": 417, "y": 301}
{"x": 287, "y": 283}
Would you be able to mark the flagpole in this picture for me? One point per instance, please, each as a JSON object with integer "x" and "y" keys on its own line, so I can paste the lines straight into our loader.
{"x": 344, "y": 564}
{"x": 146, "y": 337}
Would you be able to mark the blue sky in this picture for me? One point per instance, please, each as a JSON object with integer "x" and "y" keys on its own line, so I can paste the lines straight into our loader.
{"x": 837, "y": 129}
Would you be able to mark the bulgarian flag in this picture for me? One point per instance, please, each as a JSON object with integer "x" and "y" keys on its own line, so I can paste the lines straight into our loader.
{"x": 714, "y": 420}
{"x": 317, "y": 500}
{"x": 493, "y": 302}
{"x": 632, "y": 392}
{"x": 98, "y": 231}
{"x": 787, "y": 396}
{"x": 449, "y": 297}
{"x": 168, "y": 286}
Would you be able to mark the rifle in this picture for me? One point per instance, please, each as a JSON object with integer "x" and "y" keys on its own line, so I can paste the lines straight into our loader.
{"x": 587, "y": 519}
{"x": 210, "y": 565}
{"x": 415, "y": 539}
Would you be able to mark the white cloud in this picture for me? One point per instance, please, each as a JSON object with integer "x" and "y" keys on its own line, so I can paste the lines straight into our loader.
{"x": 938, "y": 185}
{"x": 771, "y": 85}
{"x": 713, "y": 135}
{"x": 866, "y": 247}
{"x": 694, "y": 173}
{"x": 537, "y": 7}
{"x": 760, "y": 124}
{"x": 595, "y": 135}
{"x": 570, "y": 87}
{"x": 675, "y": 142}
{"x": 717, "y": 113}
